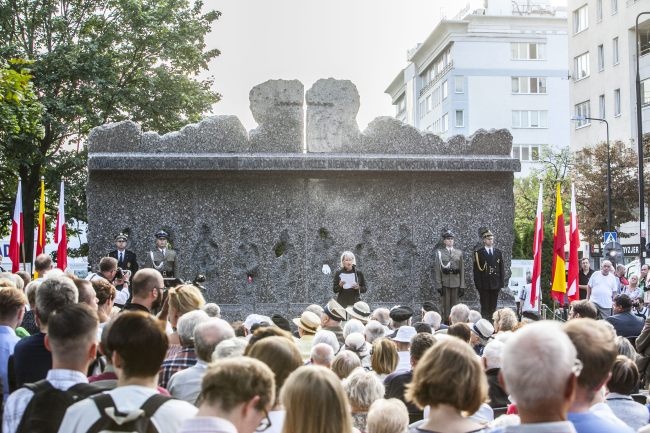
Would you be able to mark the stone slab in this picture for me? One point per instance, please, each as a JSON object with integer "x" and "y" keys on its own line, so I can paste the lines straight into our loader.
{"x": 298, "y": 162}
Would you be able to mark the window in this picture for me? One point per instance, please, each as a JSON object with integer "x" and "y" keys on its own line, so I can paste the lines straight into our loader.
{"x": 527, "y": 51}
{"x": 580, "y": 19}
{"x": 582, "y": 110}
{"x": 617, "y": 102}
{"x": 528, "y": 85}
{"x": 460, "y": 119}
{"x": 599, "y": 10}
{"x": 445, "y": 122}
{"x": 614, "y": 6}
{"x": 601, "y": 106}
{"x": 581, "y": 66}
{"x": 459, "y": 84}
{"x": 429, "y": 106}
{"x": 645, "y": 92}
{"x": 445, "y": 90}
{"x": 529, "y": 119}
{"x": 601, "y": 57}
{"x": 436, "y": 96}
{"x": 422, "y": 108}
{"x": 436, "y": 126}
{"x": 615, "y": 50}
{"x": 526, "y": 152}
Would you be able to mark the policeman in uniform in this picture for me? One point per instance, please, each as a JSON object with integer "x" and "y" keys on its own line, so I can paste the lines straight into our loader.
{"x": 126, "y": 259}
{"x": 449, "y": 273}
{"x": 162, "y": 258}
{"x": 488, "y": 274}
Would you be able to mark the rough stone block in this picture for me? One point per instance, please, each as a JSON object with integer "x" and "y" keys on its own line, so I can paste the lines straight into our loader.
{"x": 277, "y": 107}
{"x": 332, "y": 107}
{"x": 492, "y": 142}
{"x": 389, "y": 135}
{"x": 115, "y": 137}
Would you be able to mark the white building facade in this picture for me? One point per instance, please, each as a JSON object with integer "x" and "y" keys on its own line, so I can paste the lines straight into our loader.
{"x": 602, "y": 58}
{"x": 499, "y": 65}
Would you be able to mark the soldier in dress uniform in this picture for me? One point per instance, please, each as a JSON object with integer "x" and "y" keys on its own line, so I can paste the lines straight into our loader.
{"x": 162, "y": 258}
{"x": 126, "y": 259}
{"x": 449, "y": 273}
{"x": 488, "y": 274}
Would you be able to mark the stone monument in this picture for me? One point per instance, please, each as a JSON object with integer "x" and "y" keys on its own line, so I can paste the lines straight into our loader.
{"x": 259, "y": 217}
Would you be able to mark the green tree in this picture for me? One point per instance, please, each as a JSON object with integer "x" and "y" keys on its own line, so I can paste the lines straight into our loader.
{"x": 96, "y": 62}
{"x": 556, "y": 167}
{"x": 591, "y": 188}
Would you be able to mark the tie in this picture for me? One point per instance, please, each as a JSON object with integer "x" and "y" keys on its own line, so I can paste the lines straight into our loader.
{"x": 121, "y": 257}
{"x": 163, "y": 253}
{"x": 490, "y": 251}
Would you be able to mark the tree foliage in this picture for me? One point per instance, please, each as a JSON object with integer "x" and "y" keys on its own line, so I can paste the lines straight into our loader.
{"x": 591, "y": 188}
{"x": 96, "y": 62}
{"x": 556, "y": 167}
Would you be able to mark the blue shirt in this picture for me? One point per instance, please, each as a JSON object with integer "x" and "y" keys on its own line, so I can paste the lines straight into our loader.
{"x": 8, "y": 340}
{"x": 588, "y": 422}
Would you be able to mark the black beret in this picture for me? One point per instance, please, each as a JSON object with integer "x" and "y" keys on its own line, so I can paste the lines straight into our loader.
{"x": 428, "y": 306}
{"x": 401, "y": 313}
{"x": 281, "y": 322}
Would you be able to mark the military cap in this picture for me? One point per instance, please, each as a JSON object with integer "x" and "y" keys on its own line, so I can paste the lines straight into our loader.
{"x": 121, "y": 237}
{"x": 448, "y": 234}
{"x": 162, "y": 235}
{"x": 486, "y": 233}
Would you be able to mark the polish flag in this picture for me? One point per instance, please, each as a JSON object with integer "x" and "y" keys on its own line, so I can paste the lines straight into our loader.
{"x": 60, "y": 235}
{"x": 537, "y": 253}
{"x": 17, "y": 231}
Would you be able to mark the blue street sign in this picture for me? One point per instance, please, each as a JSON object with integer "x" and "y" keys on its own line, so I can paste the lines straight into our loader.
{"x": 610, "y": 237}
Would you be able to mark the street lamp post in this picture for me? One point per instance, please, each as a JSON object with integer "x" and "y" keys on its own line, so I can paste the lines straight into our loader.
{"x": 639, "y": 134}
{"x": 609, "y": 170}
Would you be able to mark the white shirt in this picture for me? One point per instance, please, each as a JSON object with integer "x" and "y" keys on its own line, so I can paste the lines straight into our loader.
{"x": 186, "y": 384}
{"x": 404, "y": 362}
{"x": 602, "y": 287}
{"x": 207, "y": 424}
{"x": 19, "y": 399}
{"x": 167, "y": 419}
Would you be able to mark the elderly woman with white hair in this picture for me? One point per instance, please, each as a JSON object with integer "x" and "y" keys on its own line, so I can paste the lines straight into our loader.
{"x": 349, "y": 282}
{"x": 363, "y": 388}
{"x": 387, "y": 416}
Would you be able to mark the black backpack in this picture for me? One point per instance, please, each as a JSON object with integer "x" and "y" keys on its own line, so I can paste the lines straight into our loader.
{"x": 138, "y": 420}
{"x": 46, "y": 409}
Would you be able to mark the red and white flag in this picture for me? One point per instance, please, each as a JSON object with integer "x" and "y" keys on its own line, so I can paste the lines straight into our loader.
{"x": 538, "y": 238}
{"x": 60, "y": 235}
{"x": 17, "y": 231}
{"x": 574, "y": 245}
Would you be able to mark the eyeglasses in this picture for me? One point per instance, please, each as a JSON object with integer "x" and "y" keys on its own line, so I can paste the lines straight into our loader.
{"x": 265, "y": 424}
{"x": 577, "y": 367}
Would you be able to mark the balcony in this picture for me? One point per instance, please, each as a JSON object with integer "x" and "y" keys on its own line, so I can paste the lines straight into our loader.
{"x": 436, "y": 78}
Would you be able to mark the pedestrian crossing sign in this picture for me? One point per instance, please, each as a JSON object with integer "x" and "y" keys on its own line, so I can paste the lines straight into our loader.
{"x": 610, "y": 237}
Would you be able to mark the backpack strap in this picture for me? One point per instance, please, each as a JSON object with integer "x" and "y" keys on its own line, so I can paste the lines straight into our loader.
{"x": 38, "y": 387}
{"x": 151, "y": 405}
{"x": 103, "y": 401}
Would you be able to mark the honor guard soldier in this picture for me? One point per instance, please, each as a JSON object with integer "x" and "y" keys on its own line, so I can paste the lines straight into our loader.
{"x": 488, "y": 274}
{"x": 449, "y": 273}
{"x": 126, "y": 259}
{"x": 161, "y": 258}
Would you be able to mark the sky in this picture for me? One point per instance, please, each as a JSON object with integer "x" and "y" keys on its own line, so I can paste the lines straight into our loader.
{"x": 364, "y": 41}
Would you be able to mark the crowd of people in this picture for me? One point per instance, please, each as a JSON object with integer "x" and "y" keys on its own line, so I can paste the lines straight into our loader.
{"x": 125, "y": 353}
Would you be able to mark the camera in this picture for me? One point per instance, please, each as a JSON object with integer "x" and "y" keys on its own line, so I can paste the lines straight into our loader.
{"x": 119, "y": 275}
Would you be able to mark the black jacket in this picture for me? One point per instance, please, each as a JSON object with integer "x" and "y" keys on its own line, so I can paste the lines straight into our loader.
{"x": 130, "y": 263}
{"x": 488, "y": 269}
{"x": 347, "y": 297}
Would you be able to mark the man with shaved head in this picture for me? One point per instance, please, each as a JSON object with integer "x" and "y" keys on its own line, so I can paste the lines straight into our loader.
{"x": 147, "y": 288}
